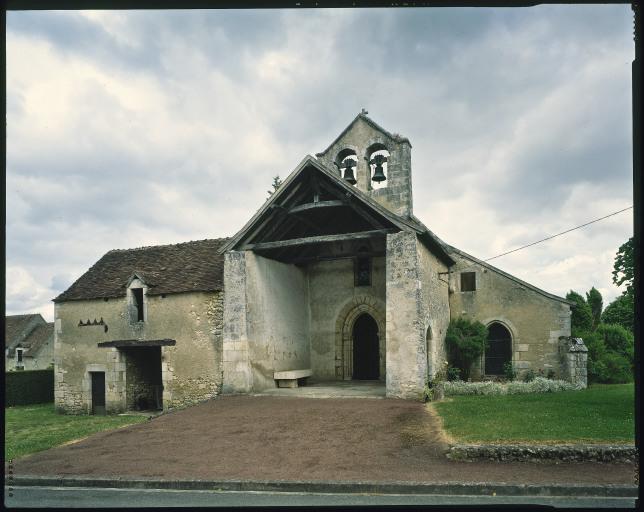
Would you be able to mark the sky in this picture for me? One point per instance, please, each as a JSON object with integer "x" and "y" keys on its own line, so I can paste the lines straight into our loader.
{"x": 135, "y": 128}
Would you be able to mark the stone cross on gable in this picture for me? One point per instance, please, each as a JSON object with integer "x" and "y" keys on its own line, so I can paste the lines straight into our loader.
{"x": 364, "y": 111}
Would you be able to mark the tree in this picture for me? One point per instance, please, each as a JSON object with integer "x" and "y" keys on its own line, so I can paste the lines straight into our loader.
{"x": 582, "y": 316}
{"x": 596, "y": 303}
{"x": 466, "y": 340}
{"x": 610, "y": 354}
{"x": 618, "y": 340}
{"x": 623, "y": 269}
{"x": 621, "y": 312}
{"x": 277, "y": 183}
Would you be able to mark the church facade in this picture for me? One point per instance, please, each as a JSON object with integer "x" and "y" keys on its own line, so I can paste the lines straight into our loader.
{"x": 333, "y": 277}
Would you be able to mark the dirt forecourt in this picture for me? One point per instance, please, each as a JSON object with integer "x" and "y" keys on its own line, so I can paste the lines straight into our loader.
{"x": 296, "y": 439}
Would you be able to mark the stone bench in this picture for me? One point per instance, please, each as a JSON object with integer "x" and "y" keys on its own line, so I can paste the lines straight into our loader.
{"x": 290, "y": 378}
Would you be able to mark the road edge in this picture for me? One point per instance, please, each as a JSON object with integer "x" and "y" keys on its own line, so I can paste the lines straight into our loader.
{"x": 336, "y": 487}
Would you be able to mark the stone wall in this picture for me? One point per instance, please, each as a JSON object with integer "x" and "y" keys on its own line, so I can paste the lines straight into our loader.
{"x": 434, "y": 307}
{"x": 191, "y": 370}
{"x": 237, "y": 377}
{"x": 335, "y": 304}
{"x": 545, "y": 453}
{"x": 278, "y": 319}
{"x": 534, "y": 319}
{"x": 266, "y": 321}
{"x": 41, "y": 361}
{"x": 397, "y": 194}
{"x": 406, "y": 355}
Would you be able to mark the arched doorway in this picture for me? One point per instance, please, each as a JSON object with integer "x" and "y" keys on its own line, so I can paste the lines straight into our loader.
{"x": 428, "y": 351}
{"x": 499, "y": 349}
{"x": 366, "y": 350}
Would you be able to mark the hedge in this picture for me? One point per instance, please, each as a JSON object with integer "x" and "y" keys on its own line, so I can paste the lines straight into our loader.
{"x": 29, "y": 387}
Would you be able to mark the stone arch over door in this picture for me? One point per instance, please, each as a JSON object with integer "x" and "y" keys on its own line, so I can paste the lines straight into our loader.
{"x": 344, "y": 334}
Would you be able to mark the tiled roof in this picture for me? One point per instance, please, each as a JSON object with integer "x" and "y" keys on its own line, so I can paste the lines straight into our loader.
{"x": 27, "y": 331}
{"x": 185, "y": 267}
{"x": 16, "y": 325}
{"x": 39, "y": 337}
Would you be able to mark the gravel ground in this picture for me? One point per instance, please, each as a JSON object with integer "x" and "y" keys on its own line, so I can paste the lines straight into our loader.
{"x": 288, "y": 438}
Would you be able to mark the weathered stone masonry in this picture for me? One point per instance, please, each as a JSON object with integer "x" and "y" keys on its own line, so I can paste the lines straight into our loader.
{"x": 332, "y": 276}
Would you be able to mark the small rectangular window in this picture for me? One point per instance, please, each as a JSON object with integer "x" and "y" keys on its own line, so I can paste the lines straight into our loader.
{"x": 19, "y": 355}
{"x": 468, "y": 281}
{"x": 362, "y": 271}
{"x": 137, "y": 294}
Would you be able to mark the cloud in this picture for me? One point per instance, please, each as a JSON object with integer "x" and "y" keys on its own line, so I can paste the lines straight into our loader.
{"x": 131, "y": 128}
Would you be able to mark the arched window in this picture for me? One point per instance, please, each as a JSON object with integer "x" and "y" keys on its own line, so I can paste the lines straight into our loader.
{"x": 499, "y": 351}
{"x": 378, "y": 157}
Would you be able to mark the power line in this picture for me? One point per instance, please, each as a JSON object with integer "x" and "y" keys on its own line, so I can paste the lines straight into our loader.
{"x": 559, "y": 234}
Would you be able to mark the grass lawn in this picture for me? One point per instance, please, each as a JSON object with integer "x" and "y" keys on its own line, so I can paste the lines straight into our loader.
{"x": 603, "y": 413}
{"x": 33, "y": 428}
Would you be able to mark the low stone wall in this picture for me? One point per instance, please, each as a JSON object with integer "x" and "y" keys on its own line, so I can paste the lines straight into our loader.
{"x": 545, "y": 453}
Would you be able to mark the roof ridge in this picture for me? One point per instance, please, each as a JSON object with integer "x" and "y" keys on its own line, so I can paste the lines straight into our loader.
{"x": 507, "y": 274}
{"x": 143, "y": 247}
{"x": 396, "y": 137}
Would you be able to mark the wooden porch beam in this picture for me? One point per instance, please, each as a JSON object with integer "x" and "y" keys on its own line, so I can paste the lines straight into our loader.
{"x": 318, "y": 204}
{"x": 317, "y": 239}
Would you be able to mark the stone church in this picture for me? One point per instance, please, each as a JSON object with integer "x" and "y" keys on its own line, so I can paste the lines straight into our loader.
{"x": 333, "y": 278}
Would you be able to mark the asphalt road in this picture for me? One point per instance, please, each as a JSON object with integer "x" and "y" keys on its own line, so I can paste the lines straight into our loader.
{"x": 76, "y": 497}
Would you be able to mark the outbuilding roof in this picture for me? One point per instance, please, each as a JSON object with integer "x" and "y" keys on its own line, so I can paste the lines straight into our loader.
{"x": 29, "y": 332}
{"x": 17, "y": 325}
{"x": 39, "y": 337}
{"x": 176, "y": 268}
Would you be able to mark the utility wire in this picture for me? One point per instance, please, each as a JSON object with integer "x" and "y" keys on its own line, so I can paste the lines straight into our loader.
{"x": 559, "y": 234}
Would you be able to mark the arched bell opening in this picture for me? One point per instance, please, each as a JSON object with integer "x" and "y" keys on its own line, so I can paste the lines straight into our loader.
{"x": 347, "y": 163}
{"x": 377, "y": 157}
{"x": 499, "y": 350}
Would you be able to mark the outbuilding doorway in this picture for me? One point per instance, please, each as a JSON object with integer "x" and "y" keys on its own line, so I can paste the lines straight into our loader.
{"x": 144, "y": 388}
{"x": 499, "y": 351}
{"x": 98, "y": 393}
{"x": 366, "y": 348}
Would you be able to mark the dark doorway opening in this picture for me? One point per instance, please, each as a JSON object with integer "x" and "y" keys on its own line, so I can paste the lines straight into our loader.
{"x": 366, "y": 349}
{"x": 499, "y": 351}
{"x": 98, "y": 393}
{"x": 143, "y": 378}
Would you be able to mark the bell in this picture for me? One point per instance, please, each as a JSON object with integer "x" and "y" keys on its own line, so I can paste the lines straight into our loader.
{"x": 378, "y": 174}
{"x": 348, "y": 171}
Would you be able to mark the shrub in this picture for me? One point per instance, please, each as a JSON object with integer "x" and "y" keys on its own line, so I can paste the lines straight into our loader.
{"x": 29, "y": 387}
{"x": 617, "y": 339}
{"x": 551, "y": 374}
{"x": 537, "y": 385}
{"x": 529, "y": 376}
{"x": 453, "y": 373}
{"x": 508, "y": 371}
{"x": 466, "y": 340}
{"x": 610, "y": 355}
{"x": 618, "y": 368}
